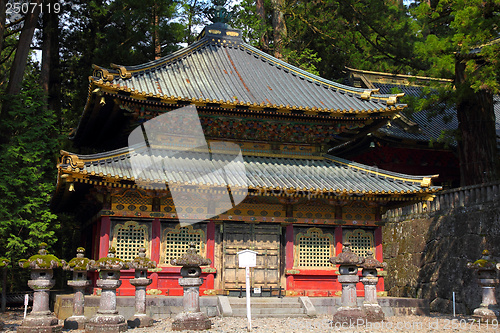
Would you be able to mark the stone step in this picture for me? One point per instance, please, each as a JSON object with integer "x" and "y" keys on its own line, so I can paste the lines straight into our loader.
{"x": 261, "y": 300}
{"x": 272, "y": 315}
{"x": 266, "y": 305}
{"x": 242, "y": 312}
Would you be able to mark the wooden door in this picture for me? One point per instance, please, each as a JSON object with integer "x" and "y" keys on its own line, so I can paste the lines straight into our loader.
{"x": 262, "y": 238}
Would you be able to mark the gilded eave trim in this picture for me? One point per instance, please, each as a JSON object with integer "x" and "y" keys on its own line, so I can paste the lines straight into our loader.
{"x": 111, "y": 88}
{"x": 424, "y": 182}
{"x": 82, "y": 176}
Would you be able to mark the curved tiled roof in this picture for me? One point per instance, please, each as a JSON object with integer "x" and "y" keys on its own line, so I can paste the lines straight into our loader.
{"x": 431, "y": 126}
{"x": 223, "y": 69}
{"x": 326, "y": 175}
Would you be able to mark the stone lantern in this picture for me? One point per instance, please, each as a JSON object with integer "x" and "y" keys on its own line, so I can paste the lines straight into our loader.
{"x": 42, "y": 265}
{"x": 107, "y": 318}
{"x": 486, "y": 269}
{"x": 372, "y": 308}
{"x": 191, "y": 318}
{"x": 4, "y": 262}
{"x": 141, "y": 264}
{"x": 348, "y": 269}
{"x": 79, "y": 266}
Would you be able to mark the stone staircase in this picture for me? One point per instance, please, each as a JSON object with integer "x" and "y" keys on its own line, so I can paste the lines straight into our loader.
{"x": 266, "y": 307}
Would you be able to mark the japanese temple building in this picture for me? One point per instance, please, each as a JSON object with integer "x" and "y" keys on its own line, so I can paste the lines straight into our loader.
{"x": 301, "y": 203}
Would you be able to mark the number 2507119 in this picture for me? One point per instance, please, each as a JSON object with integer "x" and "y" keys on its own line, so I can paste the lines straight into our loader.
{"x": 31, "y": 7}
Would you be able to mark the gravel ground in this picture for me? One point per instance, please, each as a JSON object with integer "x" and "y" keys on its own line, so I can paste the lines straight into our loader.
{"x": 433, "y": 323}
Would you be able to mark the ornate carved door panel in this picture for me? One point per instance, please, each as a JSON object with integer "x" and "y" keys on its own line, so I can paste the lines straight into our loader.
{"x": 263, "y": 238}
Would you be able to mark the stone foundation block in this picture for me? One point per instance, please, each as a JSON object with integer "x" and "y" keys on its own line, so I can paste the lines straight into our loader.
{"x": 140, "y": 321}
{"x": 349, "y": 316}
{"x": 75, "y": 323}
{"x": 191, "y": 321}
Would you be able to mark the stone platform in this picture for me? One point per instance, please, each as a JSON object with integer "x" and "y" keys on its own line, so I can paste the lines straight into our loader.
{"x": 169, "y": 306}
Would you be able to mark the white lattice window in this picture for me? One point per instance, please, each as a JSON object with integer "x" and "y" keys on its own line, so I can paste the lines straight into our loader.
{"x": 128, "y": 238}
{"x": 176, "y": 242}
{"x": 314, "y": 249}
{"x": 361, "y": 241}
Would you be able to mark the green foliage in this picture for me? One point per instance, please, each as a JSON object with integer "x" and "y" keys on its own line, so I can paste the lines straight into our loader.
{"x": 366, "y": 34}
{"x": 192, "y": 14}
{"x": 306, "y": 60}
{"x": 27, "y": 174}
{"x": 254, "y": 28}
{"x": 120, "y": 31}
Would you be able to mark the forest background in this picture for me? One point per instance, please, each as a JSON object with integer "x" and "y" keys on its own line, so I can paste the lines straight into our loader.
{"x": 47, "y": 52}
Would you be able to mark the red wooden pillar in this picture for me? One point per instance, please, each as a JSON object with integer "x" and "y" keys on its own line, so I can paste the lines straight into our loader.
{"x": 289, "y": 255}
{"x": 378, "y": 244}
{"x": 104, "y": 236}
{"x": 211, "y": 252}
{"x": 379, "y": 255}
{"x": 338, "y": 240}
{"x": 156, "y": 240}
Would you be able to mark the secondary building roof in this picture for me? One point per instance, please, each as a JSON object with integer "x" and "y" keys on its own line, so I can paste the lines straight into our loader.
{"x": 327, "y": 175}
{"x": 423, "y": 126}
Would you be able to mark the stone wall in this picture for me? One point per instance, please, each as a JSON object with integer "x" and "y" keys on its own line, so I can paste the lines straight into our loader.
{"x": 427, "y": 246}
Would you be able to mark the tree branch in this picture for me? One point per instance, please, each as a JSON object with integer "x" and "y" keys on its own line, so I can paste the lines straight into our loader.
{"x": 12, "y": 32}
{"x": 14, "y": 23}
{"x": 8, "y": 56}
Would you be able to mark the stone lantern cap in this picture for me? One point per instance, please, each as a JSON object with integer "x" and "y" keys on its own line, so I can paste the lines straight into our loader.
{"x": 347, "y": 257}
{"x": 142, "y": 262}
{"x": 4, "y": 262}
{"x": 79, "y": 263}
{"x": 484, "y": 263}
{"x": 191, "y": 258}
{"x": 372, "y": 263}
{"x": 110, "y": 263}
{"x": 42, "y": 260}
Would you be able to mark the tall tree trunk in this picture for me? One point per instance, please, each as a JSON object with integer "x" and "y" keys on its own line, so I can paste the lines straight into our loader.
{"x": 23, "y": 49}
{"x": 261, "y": 13}
{"x": 156, "y": 32}
{"x": 191, "y": 14}
{"x": 47, "y": 35}
{"x": 19, "y": 63}
{"x": 279, "y": 28}
{"x": 2, "y": 22}
{"x": 4, "y": 289}
{"x": 477, "y": 144}
{"x": 50, "y": 72}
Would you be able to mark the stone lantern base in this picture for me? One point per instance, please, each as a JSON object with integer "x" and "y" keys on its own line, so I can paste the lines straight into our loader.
{"x": 40, "y": 323}
{"x": 191, "y": 321}
{"x": 140, "y": 320}
{"x": 112, "y": 323}
{"x": 486, "y": 314}
{"x": 349, "y": 315}
{"x": 373, "y": 312}
{"x": 75, "y": 323}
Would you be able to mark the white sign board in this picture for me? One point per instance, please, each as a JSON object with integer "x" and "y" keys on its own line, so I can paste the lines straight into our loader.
{"x": 247, "y": 258}
{"x": 257, "y": 290}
